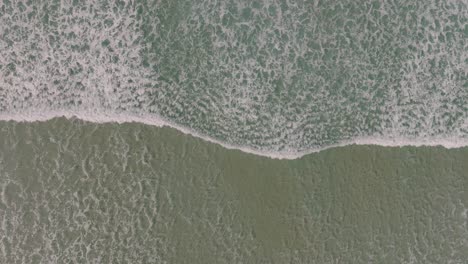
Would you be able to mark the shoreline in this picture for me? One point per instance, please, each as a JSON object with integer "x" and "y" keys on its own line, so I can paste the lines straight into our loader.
{"x": 153, "y": 120}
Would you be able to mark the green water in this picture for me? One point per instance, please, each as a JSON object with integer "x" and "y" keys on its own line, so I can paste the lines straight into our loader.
{"x": 76, "y": 192}
{"x": 279, "y": 77}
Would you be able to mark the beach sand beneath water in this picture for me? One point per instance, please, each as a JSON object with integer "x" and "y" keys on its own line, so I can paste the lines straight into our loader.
{"x": 74, "y": 191}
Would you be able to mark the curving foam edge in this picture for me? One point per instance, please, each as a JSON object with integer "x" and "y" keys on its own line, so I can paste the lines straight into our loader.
{"x": 449, "y": 142}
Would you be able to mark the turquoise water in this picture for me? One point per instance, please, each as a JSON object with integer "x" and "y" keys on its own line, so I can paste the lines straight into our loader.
{"x": 275, "y": 77}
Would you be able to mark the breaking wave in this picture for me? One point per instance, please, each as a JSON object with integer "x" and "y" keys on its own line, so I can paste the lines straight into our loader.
{"x": 274, "y": 78}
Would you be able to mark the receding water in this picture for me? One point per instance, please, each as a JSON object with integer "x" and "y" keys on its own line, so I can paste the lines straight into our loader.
{"x": 76, "y": 192}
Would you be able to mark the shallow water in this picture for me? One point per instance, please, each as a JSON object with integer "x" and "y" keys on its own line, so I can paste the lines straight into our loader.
{"x": 165, "y": 102}
{"x": 79, "y": 192}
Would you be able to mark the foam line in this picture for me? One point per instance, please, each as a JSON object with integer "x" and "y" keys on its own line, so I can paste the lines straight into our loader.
{"x": 451, "y": 142}
{"x": 262, "y": 82}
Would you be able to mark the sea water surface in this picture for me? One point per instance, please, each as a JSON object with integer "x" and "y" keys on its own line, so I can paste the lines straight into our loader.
{"x": 274, "y": 77}
{"x": 81, "y": 192}
{"x": 116, "y": 181}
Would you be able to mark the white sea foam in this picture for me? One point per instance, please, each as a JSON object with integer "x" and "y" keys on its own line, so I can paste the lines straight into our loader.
{"x": 256, "y": 77}
{"x": 121, "y": 118}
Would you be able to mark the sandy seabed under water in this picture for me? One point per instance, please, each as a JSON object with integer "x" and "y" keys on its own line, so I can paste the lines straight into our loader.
{"x": 76, "y": 191}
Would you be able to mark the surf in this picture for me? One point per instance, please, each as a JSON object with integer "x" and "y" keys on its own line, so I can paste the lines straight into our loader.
{"x": 261, "y": 77}
{"x": 121, "y": 118}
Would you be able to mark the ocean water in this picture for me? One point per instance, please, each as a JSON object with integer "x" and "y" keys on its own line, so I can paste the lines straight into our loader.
{"x": 277, "y": 78}
{"x": 79, "y": 192}
{"x": 172, "y": 131}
